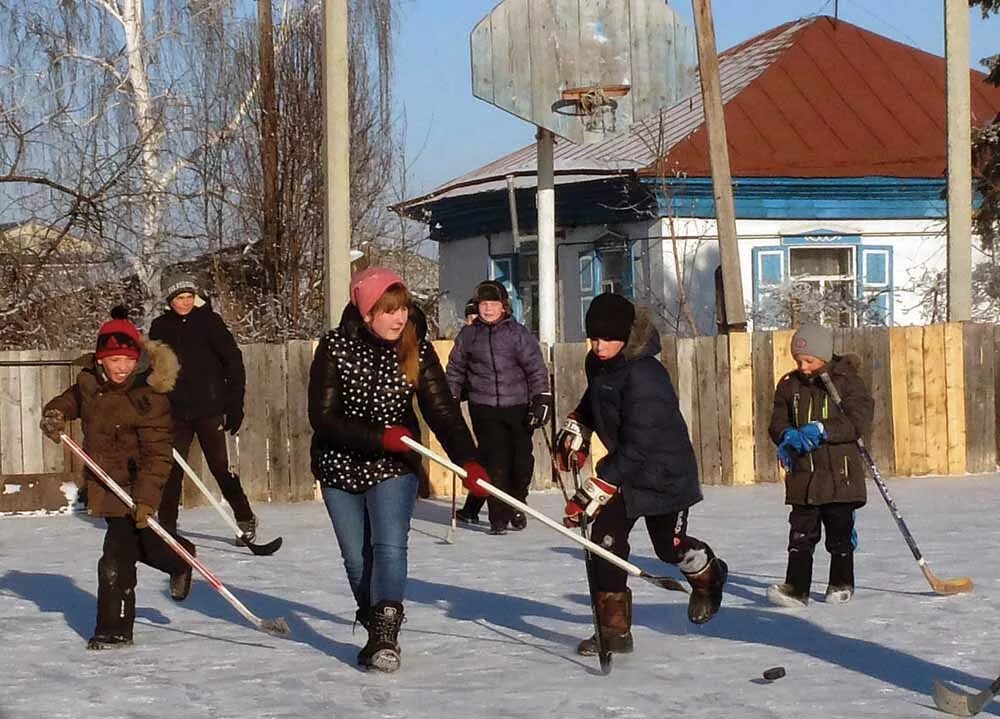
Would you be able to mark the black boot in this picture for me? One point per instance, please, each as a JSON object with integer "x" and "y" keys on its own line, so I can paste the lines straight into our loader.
{"x": 518, "y": 521}
{"x": 841, "y": 586}
{"x": 180, "y": 583}
{"x": 614, "y": 614}
{"x": 115, "y": 609}
{"x": 382, "y": 650}
{"x": 706, "y": 585}
{"x": 794, "y": 593}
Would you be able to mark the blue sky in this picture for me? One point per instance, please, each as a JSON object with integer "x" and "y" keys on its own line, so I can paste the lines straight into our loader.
{"x": 450, "y": 132}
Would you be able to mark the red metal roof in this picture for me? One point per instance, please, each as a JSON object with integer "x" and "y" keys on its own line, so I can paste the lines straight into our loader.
{"x": 836, "y": 101}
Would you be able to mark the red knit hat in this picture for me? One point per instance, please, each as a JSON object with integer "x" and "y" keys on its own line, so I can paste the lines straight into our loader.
{"x": 369, "y": 285}
{"x": 118, "y": 337}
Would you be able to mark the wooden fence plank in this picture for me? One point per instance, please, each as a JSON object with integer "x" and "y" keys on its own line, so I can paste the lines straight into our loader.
{"x": 668, "y": 357}
{"x": 276, "y": 399}
{"x": 980, "y": 398}
{"x": 781, "y": 355}
{"x": 570, "y": 381}
{"x": 253, "y": 436}
{"x": 301, "y": 480}
{"x": 741, "y": 404}
{"x": 954, "y": 365}
{"x": 32, "y": 456}
{"x": 915, "y": 402}
{"x": 724, "y": 413}
{"x": 54, "y": 381}
{"x": 935, "y": 399}
{"x": 878, "y": 379}
{"x": 708, "y": 411}
{"x": 687, "y": 391}
{"x": 11, "y": 429}
{"x": 900, "y": 401}
{"x": 765, "y": 460}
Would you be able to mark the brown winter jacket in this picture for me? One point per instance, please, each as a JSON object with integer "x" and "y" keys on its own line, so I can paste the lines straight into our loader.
{"x": 834, "y": 472}
{"x": 126, "y": 429}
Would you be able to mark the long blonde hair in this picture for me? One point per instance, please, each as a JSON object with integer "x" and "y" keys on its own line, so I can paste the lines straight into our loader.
{"x": 408, "y": 346}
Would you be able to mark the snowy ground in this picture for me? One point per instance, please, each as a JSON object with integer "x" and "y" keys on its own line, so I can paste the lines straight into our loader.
{"x": 493, "y": 622}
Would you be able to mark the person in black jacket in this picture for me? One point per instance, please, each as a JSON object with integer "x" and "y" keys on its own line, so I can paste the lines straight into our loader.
{"x": 650, "y": 470}
{"x": 208, "y": 399}
{"x": 364, "y": 377}
{"x": 825, "y": 475}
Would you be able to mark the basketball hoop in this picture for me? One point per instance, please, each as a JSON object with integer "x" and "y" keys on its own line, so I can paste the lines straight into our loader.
{"x": 594, "y": 105}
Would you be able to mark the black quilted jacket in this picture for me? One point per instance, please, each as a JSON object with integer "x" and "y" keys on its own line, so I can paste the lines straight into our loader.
{"x": 357, "y": 389}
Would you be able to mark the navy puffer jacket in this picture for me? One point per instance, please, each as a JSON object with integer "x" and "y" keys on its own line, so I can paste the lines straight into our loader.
{"x": 631, "y": 404}
{"x": 498, "y": 365}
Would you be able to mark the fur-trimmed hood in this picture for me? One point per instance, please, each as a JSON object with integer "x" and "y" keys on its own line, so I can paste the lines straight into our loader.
{"x": 644, "y": 338}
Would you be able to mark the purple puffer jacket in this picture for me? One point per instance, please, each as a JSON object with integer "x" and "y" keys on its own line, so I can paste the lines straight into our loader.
{"x": 498, "y": 365}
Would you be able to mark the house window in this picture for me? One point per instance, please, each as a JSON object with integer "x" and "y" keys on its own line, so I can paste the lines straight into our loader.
{"x": 822, "y": 277}
{"x": 609, "y": 267}
{"x": 519, "y": 274}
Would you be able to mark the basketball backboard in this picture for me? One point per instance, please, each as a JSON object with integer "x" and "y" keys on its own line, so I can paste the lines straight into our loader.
{"x": 584, "y": 69}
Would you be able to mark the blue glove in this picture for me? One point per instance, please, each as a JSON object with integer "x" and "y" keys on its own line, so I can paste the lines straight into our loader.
{"x": 786, "y": 455}
{"x": 812, "y": 435}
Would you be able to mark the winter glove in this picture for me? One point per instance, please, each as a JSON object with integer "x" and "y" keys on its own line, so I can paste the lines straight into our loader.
{"x": 540, "y": 410}
{"x": 572, "y": 445}
{"x": 233, "y": 420}
{"x": 392, "y": 439}
{"x": 475, "y": 471}
{"x": 786, "y": 455}
{"x": 53, "y": 424}
{"x": 813, "y": 434}
{"x": 588, "y": 500}
{"x": 142, "y": 514}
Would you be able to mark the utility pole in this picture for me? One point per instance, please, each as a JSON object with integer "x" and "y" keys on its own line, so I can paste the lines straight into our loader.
{"x": 722, "y": 181}
{"x": 336, "y": 139}
{"x": 269, "y": 146}
{"x": 956, "y": 53}
{"x": 545, "y": 143}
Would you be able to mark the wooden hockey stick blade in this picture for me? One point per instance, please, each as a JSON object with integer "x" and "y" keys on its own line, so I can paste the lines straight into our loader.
{"x": 664, "y": 582}
{"x": 962, "y": 704}
{"x": 958, "y": 585}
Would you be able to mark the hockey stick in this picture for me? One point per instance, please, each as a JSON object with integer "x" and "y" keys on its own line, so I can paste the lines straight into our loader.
{"x": 662, "y": 582}
{"x": 603, "y": 654}
{"x": 555, "y": 466}
{"x": 261, "y": 550}
{"x": 276, "y": 626}
{"x": 449, "y": 537}
{"x": 940, "y": 586}
{"x": 962, "y": 704}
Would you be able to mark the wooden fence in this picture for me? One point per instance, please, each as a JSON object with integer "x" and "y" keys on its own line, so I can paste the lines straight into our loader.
{"x": 935, "y": 391}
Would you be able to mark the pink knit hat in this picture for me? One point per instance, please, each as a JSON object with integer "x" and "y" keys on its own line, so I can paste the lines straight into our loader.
{"x": 369, "y": 285}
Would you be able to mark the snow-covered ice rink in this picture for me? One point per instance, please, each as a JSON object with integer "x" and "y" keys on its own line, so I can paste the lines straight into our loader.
{"x": 492, "y": 622}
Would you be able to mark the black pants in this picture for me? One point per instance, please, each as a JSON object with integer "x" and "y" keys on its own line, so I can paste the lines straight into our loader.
{"x": 836, "y": 519}
{"x": 124, "y": 545}
{"x": 212, "y": 439}
{"x": 504, "y": 440}
{"x": 611, "y": 529}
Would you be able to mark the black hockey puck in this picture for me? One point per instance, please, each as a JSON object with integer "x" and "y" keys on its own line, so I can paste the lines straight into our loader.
{"x": 774, "y": 673}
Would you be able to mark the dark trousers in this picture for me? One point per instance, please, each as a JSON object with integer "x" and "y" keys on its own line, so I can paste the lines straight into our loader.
{"x": 212, "y": 439}
{"x": 836, "y": 519}
{"x": 611, "y": 529}
{"x": 504, "y": 440}
{"x": 124, "y": 545}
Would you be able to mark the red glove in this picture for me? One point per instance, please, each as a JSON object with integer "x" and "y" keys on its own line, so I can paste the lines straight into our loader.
{"x": 473, "y": 472}
{"x": 392, "y": 439}
{"x": 588, "y": 500}
{"x": 572, "y": 445}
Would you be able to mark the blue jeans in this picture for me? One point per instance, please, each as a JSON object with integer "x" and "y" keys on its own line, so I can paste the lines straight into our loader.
{"x": 372, "y": 529}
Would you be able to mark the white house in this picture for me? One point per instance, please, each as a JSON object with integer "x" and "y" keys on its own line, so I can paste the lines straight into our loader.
{"x": 837, "y": 140}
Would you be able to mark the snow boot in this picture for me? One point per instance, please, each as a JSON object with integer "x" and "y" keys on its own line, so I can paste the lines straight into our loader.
{"x": 614, "y": 614}
{"x": 180, "y": 583}
{"x": 706, "y": 584}
{"x": 794, "y": 593}
{"x": 841, "y": 586}
{"x": 249, "y": 529}
{"x": 518, "y": 521}
{"x": 498, "y": 528}
{"x": 108, "y": 641}
{"x": 382, "y": 651}
{"x": 466, "y": 516}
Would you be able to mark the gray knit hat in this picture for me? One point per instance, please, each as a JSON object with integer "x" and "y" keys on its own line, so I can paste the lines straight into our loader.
{"x": 814, "y": 340}
{"x": 177, "y": 282}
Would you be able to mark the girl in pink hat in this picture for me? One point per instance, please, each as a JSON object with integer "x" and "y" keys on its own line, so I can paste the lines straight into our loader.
{"x": 364, "y": 378}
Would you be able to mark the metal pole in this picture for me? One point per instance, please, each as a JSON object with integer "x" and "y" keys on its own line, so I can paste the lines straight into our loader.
{"x": 546, "y": 239}
{"x": 956, "y": 51}
{"x": 722, "y": 181}
{"x": 337, "y": 136}
{"x": 515, "y": 229}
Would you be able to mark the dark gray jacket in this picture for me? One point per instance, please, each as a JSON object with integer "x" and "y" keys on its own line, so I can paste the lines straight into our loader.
{"x": 498, "y": 365}
{"x": 631, "y": 404}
